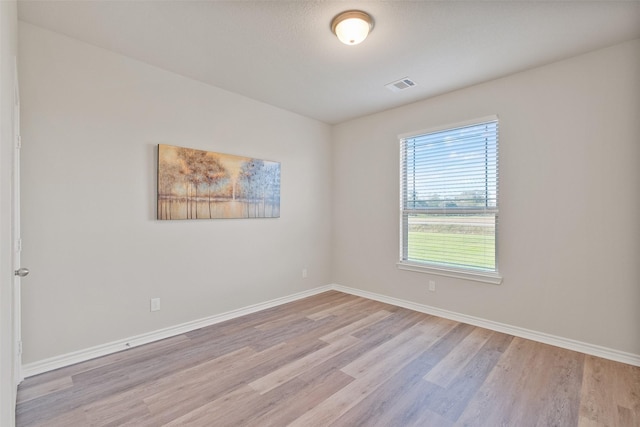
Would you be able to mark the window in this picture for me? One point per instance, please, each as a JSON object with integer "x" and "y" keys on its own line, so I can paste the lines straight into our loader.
{"x": 449, "y": 200}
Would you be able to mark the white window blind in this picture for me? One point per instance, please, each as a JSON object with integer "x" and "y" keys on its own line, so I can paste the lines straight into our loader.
{"x": 449, "y": 197}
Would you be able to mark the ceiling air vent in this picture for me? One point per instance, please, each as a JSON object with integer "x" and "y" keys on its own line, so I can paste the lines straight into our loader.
{"x": 400, "y": 85}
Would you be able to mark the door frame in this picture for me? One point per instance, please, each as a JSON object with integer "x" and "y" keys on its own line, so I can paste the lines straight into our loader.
{"x": 16, "y": 232}
{"x": 8, "y": 61}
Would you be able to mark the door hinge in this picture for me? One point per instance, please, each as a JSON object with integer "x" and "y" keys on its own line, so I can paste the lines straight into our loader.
{"x": 18, "y": 141}
{"x": 19, "y": 245}
{"x": 19, "y": 348}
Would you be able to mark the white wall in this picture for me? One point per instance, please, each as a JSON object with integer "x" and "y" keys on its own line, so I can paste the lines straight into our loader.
{"x": 91, "y": 122}
{"x": 569, "y": 231}
{"x": 8, "y": 49}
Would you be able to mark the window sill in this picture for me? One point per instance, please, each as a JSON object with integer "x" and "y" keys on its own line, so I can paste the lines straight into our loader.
{"x": 477, "y": 276}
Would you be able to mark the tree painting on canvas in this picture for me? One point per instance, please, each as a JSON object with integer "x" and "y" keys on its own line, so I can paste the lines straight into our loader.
{"x": 196, "y": 184}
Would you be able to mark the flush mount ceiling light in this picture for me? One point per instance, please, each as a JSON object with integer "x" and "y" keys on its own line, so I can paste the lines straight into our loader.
{"x": 352, "y": 27}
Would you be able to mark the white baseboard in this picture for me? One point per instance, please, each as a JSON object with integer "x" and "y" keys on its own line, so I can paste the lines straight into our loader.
{"x": 61, "y": 361}
{"x": 35, "y": 368}
{"x": 569, "y": 344}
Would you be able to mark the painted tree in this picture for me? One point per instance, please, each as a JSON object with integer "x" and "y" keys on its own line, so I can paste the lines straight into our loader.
{"x": 260, "y": 185}
{"x": 168, "y": 176}
{"x": 248, "y": 177}
{"x": 184, "y": 157}
{"x": 271, "y": 189}
{"x": 214, "y": 173}
{"x": 193, "y": 168}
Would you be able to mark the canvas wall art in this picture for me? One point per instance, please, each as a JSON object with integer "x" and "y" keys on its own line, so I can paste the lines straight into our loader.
{"x": 196, "y": 184}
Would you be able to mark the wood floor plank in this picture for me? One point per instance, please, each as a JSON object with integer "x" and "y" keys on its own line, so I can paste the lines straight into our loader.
{"x": 66, "y": 401}
{"x": 155, "y": 389}
{"x": 295, "y": 368}
{"x": 354, "y": 304}
{"x": 355, "y": 326}
{"x": 559, "y": 392}
{"x": 389, "y": 327}
{"x": 115, "y": 411}
{"x": 329, "y": 311}
{"x": 339, "y": 361}
{"x": 552, "y": 394}
{"x": 298, "y": 329}
{"x": 395, "y": 402}
{"x": 168, "y": 390}
{"x": 497, "y": 400}
{"x": 627, "y": 417}
{"x": 532, "y": 384}
{"x": 144, "y": 351}
{"x": 610, "y": 393}
{"x": 424, "y": 333}
{"x": 336, "y": 360}
{"x": 314, "y": 392}
{"x": 204, "y": 415}
{"x": 449, "y": 368}
{"x": 43, "y": 388}
{"x": 404, "y": 399}
{"x": 428, "y": 418}
{"x": 375, "y": 367}
{"x": 75, "y": 417}
{"x": 453, "y": 402}
{"x": 279, "y": 322}
{"x": 244, "y": 323}
{"x": 161, "y": 361}
{"x": 181, "y": 398}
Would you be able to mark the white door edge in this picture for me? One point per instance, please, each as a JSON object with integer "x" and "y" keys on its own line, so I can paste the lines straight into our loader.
{"x": 17, "y": 241}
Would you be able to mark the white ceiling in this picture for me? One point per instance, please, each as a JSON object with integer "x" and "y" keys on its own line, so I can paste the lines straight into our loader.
{"x": 284, "y": 54}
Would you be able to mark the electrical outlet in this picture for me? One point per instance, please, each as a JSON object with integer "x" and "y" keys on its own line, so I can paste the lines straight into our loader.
{"x": 155, "y": 304}
{"x": 304, "y": 273}
{"x": 432, "y": 285}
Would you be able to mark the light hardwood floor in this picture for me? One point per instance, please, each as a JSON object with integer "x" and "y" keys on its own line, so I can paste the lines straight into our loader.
{"x": 337, "y": 360}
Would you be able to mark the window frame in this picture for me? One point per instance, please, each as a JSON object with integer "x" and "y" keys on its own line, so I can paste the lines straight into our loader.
{"x": 486, "y": 276}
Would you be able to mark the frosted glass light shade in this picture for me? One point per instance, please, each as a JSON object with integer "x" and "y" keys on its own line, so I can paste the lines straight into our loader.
{"x": 352, "y": 27}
